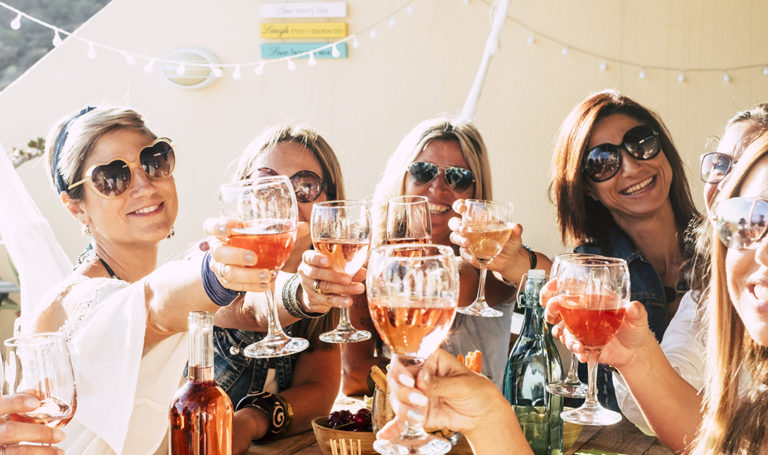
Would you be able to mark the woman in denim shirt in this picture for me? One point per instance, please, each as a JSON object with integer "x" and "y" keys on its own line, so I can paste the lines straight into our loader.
{"x": 620, "y": 190}
{"x": 305, "y": 384}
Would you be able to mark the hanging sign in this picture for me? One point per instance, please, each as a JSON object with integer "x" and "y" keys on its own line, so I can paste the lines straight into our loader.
{"x": 308, "y": 9}
{"x": 281, "y": 50}
{"x": 304, "y": 30}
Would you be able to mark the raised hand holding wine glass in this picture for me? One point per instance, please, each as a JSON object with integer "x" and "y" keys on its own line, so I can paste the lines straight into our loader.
{"x": 266, "y": 212}
{"x": 592, "y": 295}
{"x": 487, "y": 225}
{"x": 413, "y": 290}
{"x": 39, "y": 365}
{"x": 341, "y": 230}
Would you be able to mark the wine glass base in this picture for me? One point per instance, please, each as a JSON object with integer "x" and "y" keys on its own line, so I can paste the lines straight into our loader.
{"x": 345, "y": 336}
{"x": 568, "y": 390}
{"x": 591, "y": 415}
{"x": 275, "y": 347}
{"x": 480, "y": 309}
{"x": 425, "y": 445}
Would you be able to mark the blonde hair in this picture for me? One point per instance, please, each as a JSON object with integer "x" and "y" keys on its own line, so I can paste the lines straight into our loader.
{"x": 82, "y": 135}
{"x": 334, "y": 189}
{"x": 392, "y": 182}
{"x": 732, "y": 423}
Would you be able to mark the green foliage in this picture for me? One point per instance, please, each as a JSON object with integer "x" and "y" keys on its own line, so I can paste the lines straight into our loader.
{"x": 20, "y": 49}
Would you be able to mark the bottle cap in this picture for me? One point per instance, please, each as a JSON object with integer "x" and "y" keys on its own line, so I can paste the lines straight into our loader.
{"x": 536, "y": 274}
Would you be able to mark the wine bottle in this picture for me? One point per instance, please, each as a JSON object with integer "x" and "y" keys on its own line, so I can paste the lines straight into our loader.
{"x": 533, "y": 363}
{"x": 201, "y": 414}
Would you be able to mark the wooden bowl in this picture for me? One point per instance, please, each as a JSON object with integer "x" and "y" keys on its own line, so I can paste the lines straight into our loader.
{"x": 324, "y": 434}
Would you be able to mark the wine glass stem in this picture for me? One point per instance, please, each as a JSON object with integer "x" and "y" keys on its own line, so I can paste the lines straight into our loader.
{"x": 573, "y": 371}
{"x": 274, "y": 329}
{"x": 481, "y": 284}
{"x": 344, "y": 319}
{"x": 412, "y": 430}
{"x": 592, "y": 378}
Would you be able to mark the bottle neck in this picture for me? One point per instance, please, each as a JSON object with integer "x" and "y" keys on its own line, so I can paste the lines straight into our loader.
{"x": 200, "y": 347}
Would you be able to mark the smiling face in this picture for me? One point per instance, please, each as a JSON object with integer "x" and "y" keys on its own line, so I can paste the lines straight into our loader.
{"x": 145, "y": 213}
{"x": 640, "y": 188}
{"x": 747, "y": 269}
{"x": 441, "y": 196}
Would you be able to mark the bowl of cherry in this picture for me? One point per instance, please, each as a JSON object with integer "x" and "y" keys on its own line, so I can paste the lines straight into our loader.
{"x": 343, "y": 425}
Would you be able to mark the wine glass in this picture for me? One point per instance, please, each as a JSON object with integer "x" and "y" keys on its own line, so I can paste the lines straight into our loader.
{"x": 413, "y": 290}
{"x": 571, "y": 386}
{"x": 487, "y": 227}
{"x": 408, "y": 220}
{"x": 266, "y": 217}
{"x": 39, "y": 365}
{"x": 593, "y": 293}
{"x": 341, "y": 230}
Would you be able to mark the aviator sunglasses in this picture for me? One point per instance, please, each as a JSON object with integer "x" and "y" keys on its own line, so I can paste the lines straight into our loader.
{"x": 307, "y": 185}
{"x": 715, "y": 166}
{"x": 115, "y": 178}
{"x": 604, "y": 161}
{"x": 741, "y": 221}
{"x": 458, "y": 178}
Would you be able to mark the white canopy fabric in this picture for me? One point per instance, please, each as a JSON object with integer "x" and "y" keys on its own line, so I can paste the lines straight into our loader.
{"x": 29, "y": 239}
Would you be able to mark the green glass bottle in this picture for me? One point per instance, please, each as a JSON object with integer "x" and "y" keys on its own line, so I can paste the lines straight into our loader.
{"x": 533, "y": 363}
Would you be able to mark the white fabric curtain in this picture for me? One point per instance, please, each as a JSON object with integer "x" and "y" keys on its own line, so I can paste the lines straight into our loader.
{"x": 29, "y": 239}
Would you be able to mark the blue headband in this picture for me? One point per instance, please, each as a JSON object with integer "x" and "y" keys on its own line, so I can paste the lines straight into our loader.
{"x": 60, "y": 140}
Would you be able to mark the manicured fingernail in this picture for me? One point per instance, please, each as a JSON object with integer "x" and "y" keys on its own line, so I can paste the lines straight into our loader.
{"x": 58, "y": 435}
{"x": 250, "y": 258}
{"x": 346, "y": 301}
{"x": 406, "y": 380}
{"x": 263, "y": 276}
{"x": 222, "y": 228}
{"x": 426, "y": 377}
{"x": 417, "y": 399}
{"x": 30, "y": 402}
{"x": 415, "y": 415}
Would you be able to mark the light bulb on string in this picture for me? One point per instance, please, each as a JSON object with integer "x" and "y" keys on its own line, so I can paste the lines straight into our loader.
{"x": 392, "y": 22}
{"x": 291, "y": 65}
{"x": 149, "y": 66}
{"x": 56, "y": 41}
{"x": 681, "y": 78}
{"x": 409, "y": 9}
{"x": 217, "y": 71}
{"x": 356, "y": 43}
{"x": 335, "y": 51}
{"x": 91, "y": 51}
{"x": 259, "y": 70}
{"x": 531, "y": 39}
{"x": 372, "y": 33}
{"x": 641, "y": 74}
{"x": 129, "y": 59}
{"x": 312, "y": 59}
{"x": 726, "y": 78}
{"x": 181, "y": 69}
{"x": 16, "y": 22}
{"x": 237, "y": 75}
{"x": 603, "y": 66}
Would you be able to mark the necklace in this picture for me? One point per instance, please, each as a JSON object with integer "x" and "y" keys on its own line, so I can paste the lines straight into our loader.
{"x": 106, "y": 266}
{"x": 91, "y": 252}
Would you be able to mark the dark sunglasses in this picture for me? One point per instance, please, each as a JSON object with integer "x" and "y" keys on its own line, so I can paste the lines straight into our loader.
{"x": 458, "y": 178}
{"x": 111, "y": 180}
{"x": 307, "y": 185}
{"x": 604, "y": 161}
{"x": 715, "y": 166}
{"x": 741, "y": 221}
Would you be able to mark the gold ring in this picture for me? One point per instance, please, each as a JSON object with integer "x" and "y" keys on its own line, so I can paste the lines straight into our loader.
{"x": 317, "y": 290}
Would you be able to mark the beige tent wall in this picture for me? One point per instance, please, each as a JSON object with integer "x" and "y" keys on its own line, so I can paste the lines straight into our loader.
{"x": 422, "y": 66}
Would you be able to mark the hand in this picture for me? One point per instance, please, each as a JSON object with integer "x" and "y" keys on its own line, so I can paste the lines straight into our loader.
{"x": 453, "y": 397}
{"x": 632, "y": 336}
{"x": 233, "y": 267}
{"x": 248, "y": 425}
{"x": 336, "y": 287}
{"x": 512, "y": 256}
{"x": 12, "y": 433}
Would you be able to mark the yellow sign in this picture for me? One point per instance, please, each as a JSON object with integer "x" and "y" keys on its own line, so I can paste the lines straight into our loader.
{"x": 304, "y": 30}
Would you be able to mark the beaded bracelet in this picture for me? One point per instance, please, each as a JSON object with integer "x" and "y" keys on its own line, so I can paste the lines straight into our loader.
{"x": 276, "y": 408}
{"x": 291, "y": 302}
{"x": 216, "y": 291}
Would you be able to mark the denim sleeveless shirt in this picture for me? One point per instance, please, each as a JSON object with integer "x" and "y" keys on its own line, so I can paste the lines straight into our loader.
{"x": 645, "y": 286}
{"x": 239, "y": 375}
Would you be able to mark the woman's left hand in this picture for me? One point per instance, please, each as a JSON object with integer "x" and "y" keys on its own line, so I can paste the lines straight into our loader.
{"x": 234, "y": 267}
{"x": 325, "y": 288}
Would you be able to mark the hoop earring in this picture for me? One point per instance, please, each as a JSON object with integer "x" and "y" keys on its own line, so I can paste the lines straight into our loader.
{"x": 172, "y": 233}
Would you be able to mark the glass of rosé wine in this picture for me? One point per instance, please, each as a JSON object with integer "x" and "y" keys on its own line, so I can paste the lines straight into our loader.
{"x": 341, "y": 230}
{"x": 408, "y": 220}
{"x": 266, "y": 216}
{"x": 592, "y": 294}
{"x": 487, "y": 226}
{"x": 39, "y": 365}
{"x": 412, "y": 294}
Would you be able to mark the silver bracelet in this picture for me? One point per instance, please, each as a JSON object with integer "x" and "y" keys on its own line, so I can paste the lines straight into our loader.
{"x": 291, "y": 302}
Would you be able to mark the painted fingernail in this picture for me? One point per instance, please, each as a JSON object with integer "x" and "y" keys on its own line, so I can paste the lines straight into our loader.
{"x": 58, "y": 435}
{"x": 415, "y": 415}
{"x": 262, "y": 276}
{"x": 250, "y": 258}
{"x": 406, "y": 380}
{"x": 31, "y": 402}
{"x": 222, "y": 228}
{"x": 417, "y": 399}
{"x": 204, "y": 246}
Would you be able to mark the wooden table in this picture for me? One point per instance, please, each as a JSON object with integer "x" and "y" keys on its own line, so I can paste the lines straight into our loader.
{"x": 622, "y": 438}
